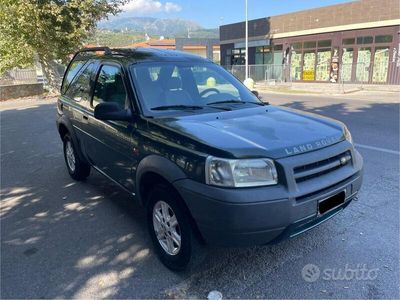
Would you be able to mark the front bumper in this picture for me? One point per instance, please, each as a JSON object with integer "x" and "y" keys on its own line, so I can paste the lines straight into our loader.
{"x": 261, "y": 215}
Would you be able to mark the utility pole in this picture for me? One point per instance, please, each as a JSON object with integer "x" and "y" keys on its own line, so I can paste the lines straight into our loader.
{"x": 247, "y": 44}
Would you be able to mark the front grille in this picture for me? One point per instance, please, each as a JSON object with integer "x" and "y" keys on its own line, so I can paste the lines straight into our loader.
{"x": 325, "y": 166}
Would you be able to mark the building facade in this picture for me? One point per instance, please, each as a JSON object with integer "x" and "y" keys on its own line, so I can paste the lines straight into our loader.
{"x": 351, "y": 42}
{"x": 204, "y": 47}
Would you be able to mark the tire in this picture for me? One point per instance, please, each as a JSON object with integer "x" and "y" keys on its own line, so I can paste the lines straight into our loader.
{"x": 77, "y": 169}
{"x": 160, "y": 195}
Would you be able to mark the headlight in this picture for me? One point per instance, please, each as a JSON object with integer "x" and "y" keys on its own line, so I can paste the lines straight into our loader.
{"x": 347, "y": 135}
{"x": 240, "y": 172}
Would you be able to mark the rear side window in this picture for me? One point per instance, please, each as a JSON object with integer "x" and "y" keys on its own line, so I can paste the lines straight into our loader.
{"x": 79, "y": 89}
{"x": 73, "y": 69}
{"x": 110, "y": 87}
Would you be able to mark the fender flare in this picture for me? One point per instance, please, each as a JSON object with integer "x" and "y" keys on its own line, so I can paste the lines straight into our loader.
{"x": 160, "y": 166}
{"x": 64, "y": 121}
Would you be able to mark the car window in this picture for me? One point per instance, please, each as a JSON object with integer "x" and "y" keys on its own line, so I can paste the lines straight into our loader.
{"x": 79, "y": 89}
{"x": 73, "y": 69}
{"x": 110, "y": 87}
{"x": 163, "y": 84}
{"x": 207, "y": 78}
{"x": 154, "y": 73}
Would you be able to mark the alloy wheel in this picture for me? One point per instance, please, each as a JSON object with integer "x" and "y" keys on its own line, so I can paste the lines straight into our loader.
{"x": 166, "y": 228}
{"x": 70, "y": 155}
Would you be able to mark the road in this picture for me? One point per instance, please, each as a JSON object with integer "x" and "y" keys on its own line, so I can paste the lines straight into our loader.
{"x": 63, "y": 239}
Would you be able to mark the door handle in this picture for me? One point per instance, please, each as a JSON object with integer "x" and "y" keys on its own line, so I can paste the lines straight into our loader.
{"x": 85, "y": 118}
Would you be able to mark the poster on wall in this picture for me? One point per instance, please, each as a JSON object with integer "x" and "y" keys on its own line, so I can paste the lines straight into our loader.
{"x": 309, "y": 66}
{"x": 334, "y": 66}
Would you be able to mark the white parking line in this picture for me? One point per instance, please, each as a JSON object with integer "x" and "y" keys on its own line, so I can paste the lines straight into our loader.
{"x": 378, "y": 149}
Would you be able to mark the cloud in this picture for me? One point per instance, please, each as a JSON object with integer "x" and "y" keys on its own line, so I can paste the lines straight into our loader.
{"x": 150, "y": 6}
{"x": 172, "y": 7}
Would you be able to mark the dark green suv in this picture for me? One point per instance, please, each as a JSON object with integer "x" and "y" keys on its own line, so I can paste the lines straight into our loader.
{"x": 208, "y": 160}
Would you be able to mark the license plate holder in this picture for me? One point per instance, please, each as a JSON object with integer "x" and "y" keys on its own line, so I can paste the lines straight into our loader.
{"x": 328, "y": 204}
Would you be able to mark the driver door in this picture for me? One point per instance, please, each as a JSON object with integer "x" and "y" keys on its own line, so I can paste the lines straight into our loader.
{"x": 110, "y": 142}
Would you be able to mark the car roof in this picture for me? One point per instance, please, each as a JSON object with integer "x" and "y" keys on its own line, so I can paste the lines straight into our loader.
{"x": 137, "y": 55}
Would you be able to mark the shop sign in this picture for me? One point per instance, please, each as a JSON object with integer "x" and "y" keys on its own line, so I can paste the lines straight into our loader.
{"x": 309, "y": 75}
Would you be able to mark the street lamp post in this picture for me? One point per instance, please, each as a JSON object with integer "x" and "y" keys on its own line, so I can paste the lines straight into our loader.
{"x": 247, "y": 45}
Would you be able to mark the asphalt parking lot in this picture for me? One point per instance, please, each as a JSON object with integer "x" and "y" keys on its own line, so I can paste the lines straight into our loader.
{"x": 62, "y": 239}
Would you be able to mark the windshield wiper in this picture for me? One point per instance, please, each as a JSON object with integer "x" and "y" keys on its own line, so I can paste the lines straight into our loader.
{"x": 235, "y": 101}
{"x": 177, "y": 107}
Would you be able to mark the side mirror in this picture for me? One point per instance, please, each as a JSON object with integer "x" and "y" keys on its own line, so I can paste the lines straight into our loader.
{"x": 257, "y": 94}
{"x": 111, "y": 111}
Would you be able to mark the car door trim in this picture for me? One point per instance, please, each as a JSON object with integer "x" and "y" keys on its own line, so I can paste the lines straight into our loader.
{"x": 113, "y": 180}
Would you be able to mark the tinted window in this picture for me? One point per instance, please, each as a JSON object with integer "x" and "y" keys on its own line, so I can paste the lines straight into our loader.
{"x": 349, "y": 41}
{"x": 365, "y": 40}
{"x": 110, "y": 87}
{"x": 324, "y": 43}
{"x": 74, "y": 68}
{"x": 79, "y": 89}
{"x": 383, "y": 38}
{"x": 310, "y": 44}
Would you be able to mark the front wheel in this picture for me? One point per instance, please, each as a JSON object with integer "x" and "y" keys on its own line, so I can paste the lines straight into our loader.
{"x": 169, "y": 228}
{"x": 77, "y": 169}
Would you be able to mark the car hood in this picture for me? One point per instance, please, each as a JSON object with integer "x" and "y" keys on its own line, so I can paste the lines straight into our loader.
{"x": 267, "y": 131}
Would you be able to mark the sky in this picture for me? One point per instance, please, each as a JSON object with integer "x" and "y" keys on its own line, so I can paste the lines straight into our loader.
{"x": 213, "y": 13}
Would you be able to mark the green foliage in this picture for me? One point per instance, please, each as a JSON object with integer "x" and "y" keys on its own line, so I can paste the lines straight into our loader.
{"x": 115, "y": 38}
{"x": 53, "y": 29}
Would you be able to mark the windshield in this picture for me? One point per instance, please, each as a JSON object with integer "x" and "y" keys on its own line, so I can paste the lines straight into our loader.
{"x": 182, "y": 86}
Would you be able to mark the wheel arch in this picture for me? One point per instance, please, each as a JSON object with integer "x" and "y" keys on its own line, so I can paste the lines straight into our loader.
{"x": 64, "y": 127}
{"x": 156, "y": 169}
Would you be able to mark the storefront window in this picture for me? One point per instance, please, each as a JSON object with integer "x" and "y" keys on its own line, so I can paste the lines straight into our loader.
{"x": 278, "y": 57}
{"x": 383, "y": 38}
{"x": 381, "y": 64}
{"x": 309, "y": 66}
{"x": 238, "y": 56}
{"x": 297, "y": 46}
{"x": 347, "y": 64}
{"x": 295, "y": 65}
{"x": 350, "y": 41}
{"x": 311, "y": 60}
{"x": 266, "y": 59}
{"x": 323, "y": 64}
{"x": 324, "y": 43}
{"x": 363, "y": 63}
{"x": 310, "y": 45}
{"x": 266, "y": 56}
{"x": 278, "y": 61}
{"x": 365, "y": 40}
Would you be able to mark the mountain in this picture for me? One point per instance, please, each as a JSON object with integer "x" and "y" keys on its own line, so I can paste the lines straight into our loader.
{"x": 158, "y": 27}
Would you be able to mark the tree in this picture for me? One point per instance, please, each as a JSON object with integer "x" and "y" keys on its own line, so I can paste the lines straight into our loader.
{"x": 51, "y": 29}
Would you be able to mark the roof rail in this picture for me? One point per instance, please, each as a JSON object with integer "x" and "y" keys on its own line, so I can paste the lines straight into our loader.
{"x": 106, "y": 50}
